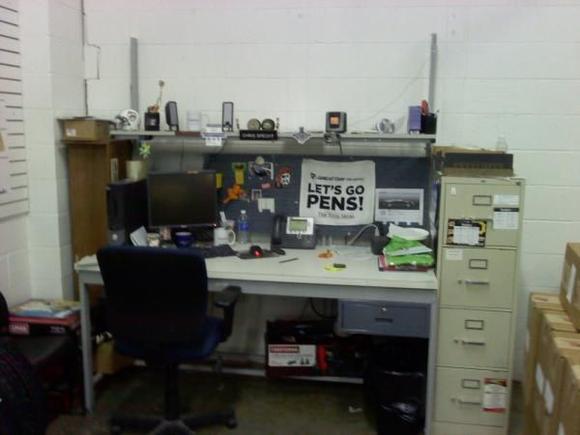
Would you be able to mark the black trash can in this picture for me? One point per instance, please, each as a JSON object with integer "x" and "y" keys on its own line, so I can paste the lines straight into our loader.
{"x": 396, "y": 384}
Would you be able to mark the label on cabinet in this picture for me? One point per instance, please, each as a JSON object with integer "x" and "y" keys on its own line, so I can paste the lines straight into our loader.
{"x": 510, "y": 200}
{"x": 495, "y": 395}
{"x": 506, "y": 218}
{"x": 454, "y": 254}
{"x": 466, "y": 232}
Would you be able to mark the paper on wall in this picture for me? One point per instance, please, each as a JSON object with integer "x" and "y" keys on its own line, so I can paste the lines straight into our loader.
{"x": 399, "y": 206}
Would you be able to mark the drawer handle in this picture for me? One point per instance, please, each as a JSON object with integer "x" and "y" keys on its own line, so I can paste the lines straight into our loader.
{"x": 466, "y": 342}
{"x": 476, "y": 263}
{"x": 481, "y": 200}
{"x": 472, "y": 282}
{"x": 466, "y": 402}
{"x": 384, "y": 319}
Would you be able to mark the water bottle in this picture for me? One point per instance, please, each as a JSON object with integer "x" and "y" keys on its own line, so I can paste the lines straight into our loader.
{"x": 243, "y": 228}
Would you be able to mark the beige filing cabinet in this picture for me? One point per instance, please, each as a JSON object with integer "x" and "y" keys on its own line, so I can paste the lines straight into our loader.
{"x": 480, "y": 221}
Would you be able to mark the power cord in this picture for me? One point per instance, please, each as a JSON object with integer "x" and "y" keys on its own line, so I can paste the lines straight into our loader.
{"x": 361, "y": 231}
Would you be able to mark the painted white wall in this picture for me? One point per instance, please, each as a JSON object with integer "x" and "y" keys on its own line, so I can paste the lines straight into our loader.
{"x": 14, "y": 267}
{"x": 506, "y": 67}
{"x": 52, "y": 65}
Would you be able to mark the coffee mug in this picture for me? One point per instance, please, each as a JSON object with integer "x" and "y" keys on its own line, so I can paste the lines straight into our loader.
{"x": 223, "y": 236}
{"x": 183, "y": 239}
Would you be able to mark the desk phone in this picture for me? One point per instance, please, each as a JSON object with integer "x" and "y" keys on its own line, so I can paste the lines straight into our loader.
{"x": 294, "y": 232}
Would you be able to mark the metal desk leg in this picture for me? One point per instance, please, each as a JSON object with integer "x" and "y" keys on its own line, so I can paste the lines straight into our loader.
{"x": 87, "y": 348}
{"x": 432, "y": 360}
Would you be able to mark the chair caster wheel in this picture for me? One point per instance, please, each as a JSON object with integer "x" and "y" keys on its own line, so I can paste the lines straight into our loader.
{"x": 116, "y": 430}
{"x": 232, "y": 423}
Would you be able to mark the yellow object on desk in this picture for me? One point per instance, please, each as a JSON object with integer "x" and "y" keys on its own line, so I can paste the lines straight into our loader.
{"x": 333, "y": 268}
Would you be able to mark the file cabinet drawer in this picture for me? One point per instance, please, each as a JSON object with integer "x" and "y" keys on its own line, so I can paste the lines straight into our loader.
{"x": 471, "y": 396}
{"x": 473, "y": 338}
{"x": 377, "y": 318}
{"x": 477, "y": 277}
{"x": 485, "y": 202}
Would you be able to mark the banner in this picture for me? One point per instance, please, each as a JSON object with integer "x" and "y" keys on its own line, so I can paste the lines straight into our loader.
{"x": 338, "y": 193}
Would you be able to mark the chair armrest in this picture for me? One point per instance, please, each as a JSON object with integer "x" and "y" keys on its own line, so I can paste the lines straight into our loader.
{"x": 227, "y": 297}
{"x": 226, "y": 300}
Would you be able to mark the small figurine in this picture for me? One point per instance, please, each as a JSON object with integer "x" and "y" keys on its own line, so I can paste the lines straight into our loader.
{"x": 235, "y": 193}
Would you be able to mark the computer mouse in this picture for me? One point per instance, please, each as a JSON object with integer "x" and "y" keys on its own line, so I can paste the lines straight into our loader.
{"x": 256, "y": 251}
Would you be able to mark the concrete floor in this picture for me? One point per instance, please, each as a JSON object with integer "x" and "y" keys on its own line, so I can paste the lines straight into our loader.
{"x": 262, "y": 406}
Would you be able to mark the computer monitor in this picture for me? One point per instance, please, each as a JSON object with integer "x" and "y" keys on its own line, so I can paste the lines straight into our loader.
{"x": 182, "y": 199}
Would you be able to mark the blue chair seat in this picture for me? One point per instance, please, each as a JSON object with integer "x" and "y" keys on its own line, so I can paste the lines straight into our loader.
{"x": 210, "y": 335}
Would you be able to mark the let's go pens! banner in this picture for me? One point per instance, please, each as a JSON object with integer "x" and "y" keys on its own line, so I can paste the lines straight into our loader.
{"x": 338, "y": 193}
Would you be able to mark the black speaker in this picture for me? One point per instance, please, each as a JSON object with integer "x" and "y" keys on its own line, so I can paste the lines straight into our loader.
{"x": 126, "y": 209}
{"x": 171, "y": 115}
{"x": 227, "y": 116}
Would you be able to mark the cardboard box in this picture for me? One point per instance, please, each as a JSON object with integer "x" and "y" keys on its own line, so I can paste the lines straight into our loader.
{"x": 85, "y": 130}
{"x": 554, "y": 349}
{"x": 538, "y": 304}
{"x": 569, "y": 423}
{"x": 570, "y": 286}
{"x": 530, "y": 426}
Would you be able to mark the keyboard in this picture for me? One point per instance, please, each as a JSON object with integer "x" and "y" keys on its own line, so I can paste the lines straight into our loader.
{"x": 217, "y": 251}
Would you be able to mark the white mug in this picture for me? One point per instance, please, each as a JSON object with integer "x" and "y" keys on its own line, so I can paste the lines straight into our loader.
{"x": 223, "y": 236}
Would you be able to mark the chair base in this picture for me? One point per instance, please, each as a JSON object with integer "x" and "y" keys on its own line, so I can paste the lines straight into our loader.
{"x": 159, "y": 426}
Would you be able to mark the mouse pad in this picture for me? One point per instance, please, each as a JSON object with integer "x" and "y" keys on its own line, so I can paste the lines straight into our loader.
{"x": 248, "y": 256}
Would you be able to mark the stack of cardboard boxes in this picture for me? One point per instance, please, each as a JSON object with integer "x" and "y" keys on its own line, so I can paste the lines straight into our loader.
{"x": 552, "y": 378}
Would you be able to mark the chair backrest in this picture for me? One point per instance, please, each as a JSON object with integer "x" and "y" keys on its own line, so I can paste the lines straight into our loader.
{"x": 154, "y": 295}
{"x": 4, "y": 313}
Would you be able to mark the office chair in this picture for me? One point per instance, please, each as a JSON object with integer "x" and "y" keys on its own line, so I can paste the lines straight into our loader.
{"x": 156, "y": 302}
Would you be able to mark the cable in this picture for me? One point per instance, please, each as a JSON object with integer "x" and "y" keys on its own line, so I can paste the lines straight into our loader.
{"x": 405, "y": 89}
{"x": 318, "y": 313}
{"x": 362, "y": 230}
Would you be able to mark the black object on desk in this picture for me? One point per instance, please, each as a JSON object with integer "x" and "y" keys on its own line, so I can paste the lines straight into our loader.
{"x": 157, "y": 311}
{"x": 216, "y": 251}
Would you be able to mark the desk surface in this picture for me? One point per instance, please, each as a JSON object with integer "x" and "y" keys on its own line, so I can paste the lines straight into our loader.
{"x": 361, "y": 270}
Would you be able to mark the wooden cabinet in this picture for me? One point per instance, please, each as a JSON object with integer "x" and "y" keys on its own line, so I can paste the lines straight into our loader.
{"x": 91, "y": 166}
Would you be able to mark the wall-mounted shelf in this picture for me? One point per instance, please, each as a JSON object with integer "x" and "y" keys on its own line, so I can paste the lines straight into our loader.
{"x": 140, "y": 133}
{"x": 351, "y": 144}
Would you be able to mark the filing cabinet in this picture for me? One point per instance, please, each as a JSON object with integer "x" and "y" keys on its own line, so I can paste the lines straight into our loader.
{"x": 480, "y": 221}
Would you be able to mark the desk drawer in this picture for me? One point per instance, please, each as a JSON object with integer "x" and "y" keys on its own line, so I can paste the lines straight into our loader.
{"x": 477, "y": 277}
{"x": 473, "y": 338}
{"x": 471, "y": 396}
{"x": 380, "y": 318}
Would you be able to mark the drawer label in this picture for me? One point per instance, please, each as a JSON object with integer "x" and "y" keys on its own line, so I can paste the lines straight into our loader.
{"x": 454, "y": 254}
{"x": 291, "y": 355}
{"x": 495, "y": 395}
{"x": 505, "y": 218}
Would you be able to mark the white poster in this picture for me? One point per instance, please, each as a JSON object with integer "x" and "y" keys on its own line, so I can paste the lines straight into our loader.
{"x": 338, "y": 193}
{"x": 399, "y": 206}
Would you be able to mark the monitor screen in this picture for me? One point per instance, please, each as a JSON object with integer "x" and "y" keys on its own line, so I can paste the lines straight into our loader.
{"x": 182, "y": 199}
